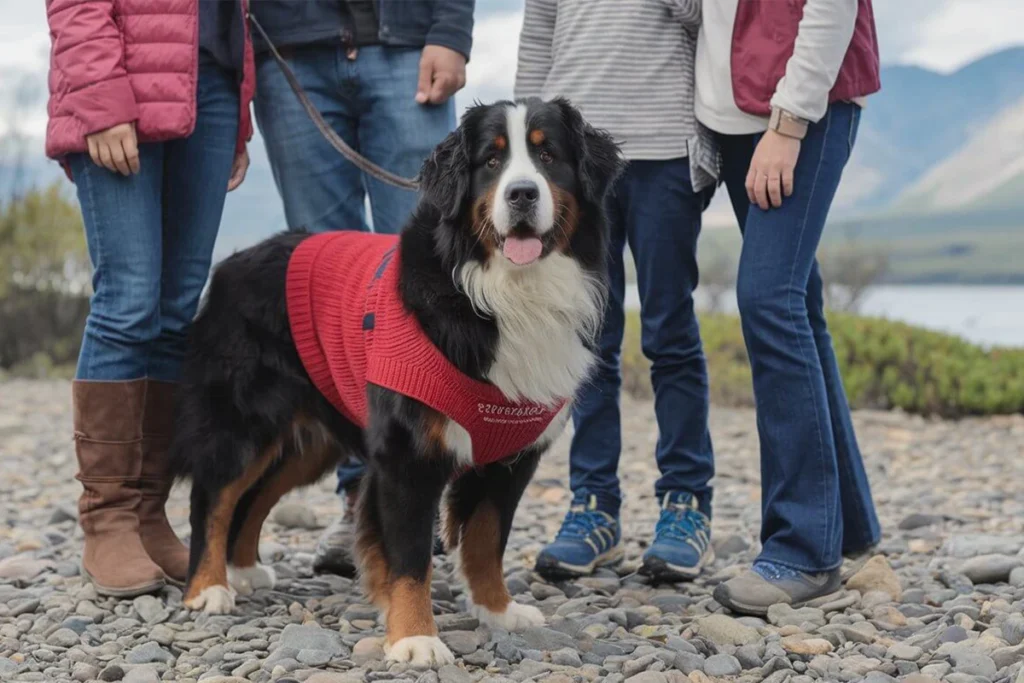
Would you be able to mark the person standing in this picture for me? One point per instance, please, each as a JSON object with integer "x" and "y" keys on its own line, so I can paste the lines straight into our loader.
{"x": 628, "y": 65}
{"x": 383, "y": 74}
{"x": 149, "y": 117}
{"x": 783, "y": 84}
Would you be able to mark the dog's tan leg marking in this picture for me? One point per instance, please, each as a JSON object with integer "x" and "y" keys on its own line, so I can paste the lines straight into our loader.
{"x": 480, "y": 552}
{"x": 212, "y": 570}
{"x": 411, "y": 612}
{"x": 313, "y": 453}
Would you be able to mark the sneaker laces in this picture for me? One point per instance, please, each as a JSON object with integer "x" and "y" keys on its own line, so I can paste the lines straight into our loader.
{"x": 583, "y": 519}
{"x": 680, "y": 520}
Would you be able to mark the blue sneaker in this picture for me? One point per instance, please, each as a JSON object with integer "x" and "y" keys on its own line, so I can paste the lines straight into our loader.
{"x": 682, "y": 540}
{"x": 589, "y": 538}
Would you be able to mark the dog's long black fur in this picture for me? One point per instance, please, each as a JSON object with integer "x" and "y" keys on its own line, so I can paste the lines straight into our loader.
{"x": 251, "y": 424}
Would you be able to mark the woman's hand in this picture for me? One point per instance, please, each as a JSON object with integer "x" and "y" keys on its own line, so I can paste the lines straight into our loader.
{"x": 116, "y": 149}
{"x": 771, "y": 170}
{"x": 238, "y": 169}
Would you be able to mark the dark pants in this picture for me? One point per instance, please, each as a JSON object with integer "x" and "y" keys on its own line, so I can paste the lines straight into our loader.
{"x": 654, "y": 209}
{"x": 151, "y": 238}
{"x": 815, "y": 499}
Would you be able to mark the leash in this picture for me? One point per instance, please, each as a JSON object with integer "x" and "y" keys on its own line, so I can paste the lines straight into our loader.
{"x": 361, "y": 162}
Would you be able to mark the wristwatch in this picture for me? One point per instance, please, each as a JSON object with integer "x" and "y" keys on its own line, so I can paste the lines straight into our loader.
{"x": 790, "y": 125}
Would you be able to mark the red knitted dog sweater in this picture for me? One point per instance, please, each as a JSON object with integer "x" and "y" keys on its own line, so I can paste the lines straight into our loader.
{"x": 350, "y": 328}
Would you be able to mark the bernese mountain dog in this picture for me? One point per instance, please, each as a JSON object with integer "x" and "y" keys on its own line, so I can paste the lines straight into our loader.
{"x": 446, "y": 358}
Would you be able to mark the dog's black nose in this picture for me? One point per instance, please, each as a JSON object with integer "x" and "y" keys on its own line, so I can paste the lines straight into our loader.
{"x": 522, "y": 194}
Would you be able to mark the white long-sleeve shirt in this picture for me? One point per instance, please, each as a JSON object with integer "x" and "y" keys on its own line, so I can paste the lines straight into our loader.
{"x": 824, "y": 36}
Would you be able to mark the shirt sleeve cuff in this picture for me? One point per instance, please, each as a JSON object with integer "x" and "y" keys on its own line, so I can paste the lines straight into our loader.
{"x": 811, "y": 109}
{"x": 451, "y": 38}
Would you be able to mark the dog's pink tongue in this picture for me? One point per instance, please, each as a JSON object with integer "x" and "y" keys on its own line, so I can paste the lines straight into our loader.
{"x": 522, "y": 251}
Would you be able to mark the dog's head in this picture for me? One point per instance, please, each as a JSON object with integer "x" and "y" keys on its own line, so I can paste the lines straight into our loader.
{"x": 519, "y": 181}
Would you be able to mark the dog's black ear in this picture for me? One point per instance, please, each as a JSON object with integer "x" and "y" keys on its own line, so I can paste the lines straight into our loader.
{"x": 445, "y": 176}
{"x": 599, "y": 160}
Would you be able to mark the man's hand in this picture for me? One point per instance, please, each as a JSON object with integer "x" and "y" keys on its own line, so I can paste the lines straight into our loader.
{"x": 238, "y": 169}
{"x": 116, "y": 149}
{"x": 771, "y": 170}
{"x": 442, "y": 74}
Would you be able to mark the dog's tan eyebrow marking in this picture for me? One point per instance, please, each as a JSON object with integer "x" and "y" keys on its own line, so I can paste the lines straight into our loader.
{"x": 501, "y": 142}
{"x": 537, "y": 136}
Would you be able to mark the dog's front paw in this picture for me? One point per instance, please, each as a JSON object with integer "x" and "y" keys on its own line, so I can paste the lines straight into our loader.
{"x": 516, "y": 617}
{"x": 246, "y": 580}
{"x": 422, "y": 652}
{"x": 213, "y": 600}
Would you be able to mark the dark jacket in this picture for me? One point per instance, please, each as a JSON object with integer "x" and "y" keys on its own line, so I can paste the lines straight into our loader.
{"x": 403, "y": 23}
{"x": 763, "y": 40}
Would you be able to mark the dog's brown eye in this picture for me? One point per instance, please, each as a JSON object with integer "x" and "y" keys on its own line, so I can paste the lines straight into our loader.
{"x": 546, "y": 157}
{"x": 493, "y": 162}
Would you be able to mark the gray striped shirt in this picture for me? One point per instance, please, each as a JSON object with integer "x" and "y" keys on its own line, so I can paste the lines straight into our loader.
{"x": 629, "y": 66}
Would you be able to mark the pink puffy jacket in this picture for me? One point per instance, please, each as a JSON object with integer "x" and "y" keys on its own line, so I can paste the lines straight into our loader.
{"x": 118, "y": 61}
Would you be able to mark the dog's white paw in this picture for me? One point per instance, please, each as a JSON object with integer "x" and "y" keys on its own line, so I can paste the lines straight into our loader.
{"x": 422, "y": 652}
{"x": 247, "y": 580}
{"x": 213, "y": 600}
{"x": 516, "y": 617}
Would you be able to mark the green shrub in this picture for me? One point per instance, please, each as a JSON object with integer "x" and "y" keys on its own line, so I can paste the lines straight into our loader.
{"x": 44, "y": 283}
{"x": 884, "y": 364}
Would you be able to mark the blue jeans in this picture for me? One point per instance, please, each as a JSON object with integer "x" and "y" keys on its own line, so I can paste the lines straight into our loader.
{"x": 150, "y": 238}
{"x": 370, "y": 102}
{"x": 815, "y": 499}
{"x": 652, "y": 207}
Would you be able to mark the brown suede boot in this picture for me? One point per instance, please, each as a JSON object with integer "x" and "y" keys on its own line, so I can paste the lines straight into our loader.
{"x": 162, "y": 544}
{"x": 108, "y": 443}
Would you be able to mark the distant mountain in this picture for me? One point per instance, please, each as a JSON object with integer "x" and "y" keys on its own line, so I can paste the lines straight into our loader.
{"x": 921, "y": 119}
{"x": 987, "y": 172}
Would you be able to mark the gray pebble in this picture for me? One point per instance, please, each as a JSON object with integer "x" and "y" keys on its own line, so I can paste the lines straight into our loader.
{"x": 1013, "y": 629}
{"x": 903, "y": 651}
{"x": 968, "y": 661}
{"x": 989, "y": 568}
{"x": 461, "y": 642}
{"x": 460, "y": 621}
{"x": 312, "y": 637}
{"x": 722, "y": 665}
{"x": 148, "y": 653}
{"x": 151, "y": 610}
{"x": 295, "y": 516}
{"x": 142, "y": 674}
{"x": 748, "y": 656}
{"x": 453, "y": 674}
{"x": 784, "y": 615}
{"x": 83, "y": 671}
{"x": 1017, "y": 577}
{"x": 479, "y": 658}
{"x": 64, "y": 637}
{"x": 112, "y": 672}
{"x": 919, "y": 520}
{"x": 566, "y": 657}
{"x": 688, "y": 662}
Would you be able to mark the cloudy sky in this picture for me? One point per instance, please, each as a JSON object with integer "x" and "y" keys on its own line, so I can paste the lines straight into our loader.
{"x": 939, "y": 34}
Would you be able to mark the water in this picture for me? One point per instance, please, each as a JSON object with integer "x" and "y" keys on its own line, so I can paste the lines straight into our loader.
{"x": 991, "y": 316}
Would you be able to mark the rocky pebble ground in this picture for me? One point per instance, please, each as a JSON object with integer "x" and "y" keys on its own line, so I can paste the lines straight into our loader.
{"x": 941, "y": 601}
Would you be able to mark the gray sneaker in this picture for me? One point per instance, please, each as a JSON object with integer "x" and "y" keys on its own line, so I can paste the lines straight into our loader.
{"x": 767, "y": 584}
{"x": 334, "y": 549}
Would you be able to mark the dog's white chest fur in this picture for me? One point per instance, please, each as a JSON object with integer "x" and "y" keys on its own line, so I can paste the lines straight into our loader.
{"x": 544, "y": 312}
